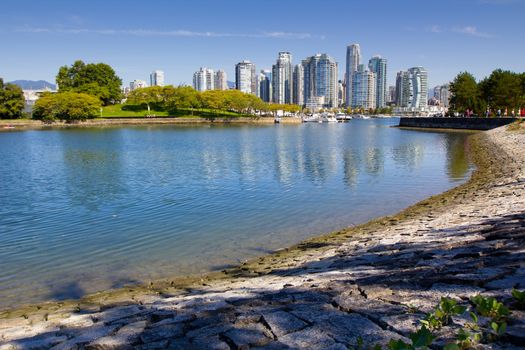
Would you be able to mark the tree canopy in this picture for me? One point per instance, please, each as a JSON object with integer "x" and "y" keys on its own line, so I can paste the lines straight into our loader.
{"x": 11, "y": 101}
{"x": 97, "y": 79}
{"x": 67, "y": 106}
{"x": 501, "y": 90}
{"x": 175, "y": 99}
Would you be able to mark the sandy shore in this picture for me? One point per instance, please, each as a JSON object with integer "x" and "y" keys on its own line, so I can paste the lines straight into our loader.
{"x": 22, "y": 124}
{"x": 372, "y": 282}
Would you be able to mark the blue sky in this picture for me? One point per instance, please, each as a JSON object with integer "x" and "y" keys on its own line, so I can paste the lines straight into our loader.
{"x": 136, "y": 37}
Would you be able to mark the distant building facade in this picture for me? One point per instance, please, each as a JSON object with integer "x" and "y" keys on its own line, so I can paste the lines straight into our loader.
{"x": 204, "y": 79}
{"x": 245, "y": 77}
{"x": 156, "y": 78}
{"x": 320, "y": 80}
{"x": 220, "y": 80}
{"x": 353, "y": 60}
{"x": 364, "y": 88}
{"x": 137, "y": 84}
{"x": 412, "y": 89}
{"x": 282, "y": 79}
{"x": 298, "y": 85}
{"x": 265, "y": 85}
{"x": 378, "y": 66}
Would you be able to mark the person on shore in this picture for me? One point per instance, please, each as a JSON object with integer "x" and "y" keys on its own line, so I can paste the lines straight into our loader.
{"x": 499, "y": 113}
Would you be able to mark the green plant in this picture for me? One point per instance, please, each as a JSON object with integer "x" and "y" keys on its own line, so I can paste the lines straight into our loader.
{"x": 421, "y": 339}
{"x": 490, "y": 307}
{"x": 442, "y": 314}
{"x": 519, "y": 297}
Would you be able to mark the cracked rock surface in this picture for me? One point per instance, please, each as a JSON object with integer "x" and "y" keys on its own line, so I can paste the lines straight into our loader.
{"x": 373, "y": 282}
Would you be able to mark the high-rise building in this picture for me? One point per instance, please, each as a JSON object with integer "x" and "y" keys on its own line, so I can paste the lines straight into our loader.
{"x": 282, "y": 77}
{"x": 444, "y": 95}
{"x": 298, "y": 85}
{"x": 364, "y": 88}
{"x": 419, "y": 82}
{"x": 412, "y": 89}
{"x": 204, "y": 79}
{"x": 220, "y": 80}
{"x": 320, "y": 80}
{"x": 265, "y": 85}
{"x": 340, "y": 93}
{"x": 391, "y": 95}
{"x": 137, "y": 84}
{"x": 245, "y": 77}
{"x": 378, "y": 65}
{"x": 353, "y": 60}
{"x": 156, "y": 78}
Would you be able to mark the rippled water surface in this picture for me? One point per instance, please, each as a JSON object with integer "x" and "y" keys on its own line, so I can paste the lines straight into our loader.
{"x": 88, "y": 209}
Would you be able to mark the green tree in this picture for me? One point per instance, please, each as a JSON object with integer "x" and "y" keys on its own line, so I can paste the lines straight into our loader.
{"x": 97, "y": 79}
{"x": 11, "y": 101}
{"x": 465, "y": 94}
{"x": 503, "y": 89}
{"x": 153, "y": 96}
{"x": 67, "y": 106}
{"x": 182, "y": 97}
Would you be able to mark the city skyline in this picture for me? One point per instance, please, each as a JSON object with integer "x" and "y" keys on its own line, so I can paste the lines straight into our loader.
{"x": 440, "y": 38}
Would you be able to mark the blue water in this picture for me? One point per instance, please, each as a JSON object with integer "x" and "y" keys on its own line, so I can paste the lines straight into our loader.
{"x": 87, "y": 209}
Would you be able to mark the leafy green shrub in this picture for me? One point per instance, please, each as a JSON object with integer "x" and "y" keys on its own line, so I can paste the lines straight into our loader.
{"x": 67, "y": 106}
{"x": 490, "y": 307}
{"x": 442, "y": 314}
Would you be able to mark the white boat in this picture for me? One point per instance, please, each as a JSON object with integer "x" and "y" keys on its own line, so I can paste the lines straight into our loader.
{"x": 361, "y": 116}
{"x": 342, "y": 117}
{"x": 328, "y": 118}
{"x": 314, "y": 118}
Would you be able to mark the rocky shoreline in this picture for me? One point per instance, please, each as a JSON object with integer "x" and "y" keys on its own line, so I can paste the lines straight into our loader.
{"x": 363, "y": 285}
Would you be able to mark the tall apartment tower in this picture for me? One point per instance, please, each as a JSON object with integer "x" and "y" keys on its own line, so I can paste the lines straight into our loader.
{"x": 282, "y": 77}
{"x": 265, "y": 85}
{"x": 412, "y": 88}
{"x": 298, "y": 85}
{"x": 220, "y": 80}
{"x": 364, "y": 88}
{"x": 353, "y": 60}
{"x": 204, "y": 79}
{"x": 245, "y": 77}
{"x": 378, "y": 65}
{"x": 156, "y": 78}
{"x": 320, "y": 81}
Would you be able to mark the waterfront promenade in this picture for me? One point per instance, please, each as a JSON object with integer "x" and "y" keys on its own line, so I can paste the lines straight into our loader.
{"x": 371, "y": 283}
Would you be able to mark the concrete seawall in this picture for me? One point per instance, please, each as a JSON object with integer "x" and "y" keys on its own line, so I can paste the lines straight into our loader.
{"x": 455, "y": 123}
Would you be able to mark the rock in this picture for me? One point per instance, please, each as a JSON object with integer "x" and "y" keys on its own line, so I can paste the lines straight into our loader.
{"x": 160, "y": 332}
{"x": 282, "y": 323}
{"x": 311, "y": 338}
{"x": 124, "y": 337}
{"x": 38, "y": 343}
{"x": 209, "y": 343}
{"x": 245, "y": 338}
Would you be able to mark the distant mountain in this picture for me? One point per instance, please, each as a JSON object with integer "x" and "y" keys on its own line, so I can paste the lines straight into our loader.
{"x": 34, "y": 84}
{"x": 231, "y": 84}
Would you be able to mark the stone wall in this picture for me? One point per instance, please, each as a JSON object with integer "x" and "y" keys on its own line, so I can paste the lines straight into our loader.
{"x": 455, "y": 123}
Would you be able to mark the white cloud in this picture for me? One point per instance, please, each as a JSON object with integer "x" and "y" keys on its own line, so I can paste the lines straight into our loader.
{"x": 473, "y": 31}
{"x": 466, "y": 30}
{"x": 173, "y": 33}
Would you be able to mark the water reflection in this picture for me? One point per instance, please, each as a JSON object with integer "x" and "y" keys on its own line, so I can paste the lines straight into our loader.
{"x": 84, "y": 209}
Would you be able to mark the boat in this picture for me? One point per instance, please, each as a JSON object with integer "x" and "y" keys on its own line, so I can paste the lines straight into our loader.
{"x": 314, "y": 118}
{"x": 328, "y": 118}
{"x": 277, "y": 120}
{"x": 342, "y": 117}
{"x": 361, "y": 116}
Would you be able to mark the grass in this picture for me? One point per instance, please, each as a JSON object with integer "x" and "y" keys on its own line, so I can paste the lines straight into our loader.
{"x": 116, "y": 111}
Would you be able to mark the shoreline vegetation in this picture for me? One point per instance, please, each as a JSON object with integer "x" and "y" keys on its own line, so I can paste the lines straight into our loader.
{"x": 369, "y": 284}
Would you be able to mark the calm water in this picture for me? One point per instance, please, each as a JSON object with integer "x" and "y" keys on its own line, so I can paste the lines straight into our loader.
{"x": 88, "y": 209}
